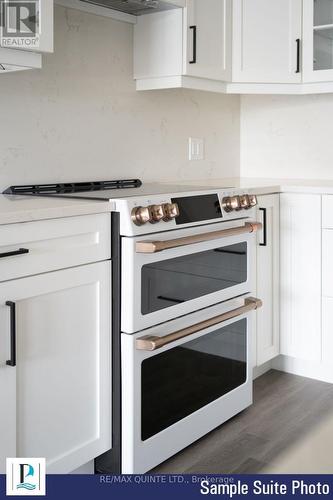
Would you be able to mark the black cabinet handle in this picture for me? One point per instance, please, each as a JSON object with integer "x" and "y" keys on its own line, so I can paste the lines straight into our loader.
{"x": 194, "y": 31}
{"x": 12, "y": 360}
{"x": 21, "y": 251}
{"x": 264, "y": 229}
{"x": 298, "y": 63}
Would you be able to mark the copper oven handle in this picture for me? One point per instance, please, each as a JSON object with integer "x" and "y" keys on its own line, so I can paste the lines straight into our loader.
{"x": 152, "y": 343}
{"x": 159, "y": 246}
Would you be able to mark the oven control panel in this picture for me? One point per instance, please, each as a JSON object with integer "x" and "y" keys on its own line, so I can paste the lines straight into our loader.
{"x": 190, "y": 209}
{"x": 157, "y": 213}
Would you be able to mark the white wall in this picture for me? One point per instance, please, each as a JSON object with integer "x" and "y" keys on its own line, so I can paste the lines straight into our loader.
{"x": 80, "y": 117}
{"x": 287, "y": 136}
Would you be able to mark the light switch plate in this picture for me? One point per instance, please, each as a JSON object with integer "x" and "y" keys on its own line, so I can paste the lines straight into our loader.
{"x": 196, "y": 149}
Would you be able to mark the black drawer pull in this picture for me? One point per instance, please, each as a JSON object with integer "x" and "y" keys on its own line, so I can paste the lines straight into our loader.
{"x": 298, "y": 55}
{"x": 21, "y": 251}
{"x": 194, "y": 57}
{"x": 12, "y": 360}
{"x": 264, "y": 223}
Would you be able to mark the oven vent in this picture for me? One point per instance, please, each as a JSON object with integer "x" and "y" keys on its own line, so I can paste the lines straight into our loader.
{"x": 73, "y": 187}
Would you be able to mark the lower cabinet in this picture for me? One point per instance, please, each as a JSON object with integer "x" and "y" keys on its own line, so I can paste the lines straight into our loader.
{"x": 301, "y": 258}
{"x": 268, "y": 335}
{"x": 55, "y": 383}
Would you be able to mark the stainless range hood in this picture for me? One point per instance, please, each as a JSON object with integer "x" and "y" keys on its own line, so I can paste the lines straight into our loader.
{"x": 137, "y": 7}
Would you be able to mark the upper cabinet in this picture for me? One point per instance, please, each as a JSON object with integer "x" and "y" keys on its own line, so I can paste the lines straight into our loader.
{"x": 17, "y": 60}
{"x": 206, "y": 40}
{"x": 174, "y": 47}
{"x": 237, "y": 46}
{"x": 318, "y": 40}
{"x": 266, "y": 41}
{"x": 190, "y": 42}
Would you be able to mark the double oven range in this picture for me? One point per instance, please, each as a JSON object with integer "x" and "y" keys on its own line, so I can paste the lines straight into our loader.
{"x": 183, "y": 275}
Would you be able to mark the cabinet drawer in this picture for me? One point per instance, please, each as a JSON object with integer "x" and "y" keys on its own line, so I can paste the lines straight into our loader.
{"x": 327, "y": 271}
{"x": 37, "y": 247}
{"x": 327, "y": 211}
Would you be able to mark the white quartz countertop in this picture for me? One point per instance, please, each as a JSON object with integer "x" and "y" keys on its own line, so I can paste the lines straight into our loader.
{"x": 268, "y": 186}
{"x": 14, "y": 209}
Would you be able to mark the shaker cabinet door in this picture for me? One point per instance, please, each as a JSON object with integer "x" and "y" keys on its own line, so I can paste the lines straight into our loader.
{"x": 318, "y": 40}
{"x": 267, "y": 41}
{"x": 268, "y": 259}
{"x": 301, "y": 254}
{"x": 207, "y": 39}
{"x": 63, "y": 382}
{"x": 7, "y": 391}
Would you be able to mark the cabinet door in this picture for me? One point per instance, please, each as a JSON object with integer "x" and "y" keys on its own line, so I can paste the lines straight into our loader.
{"x": 267, "y": 41}
{"x": 318, "y": 40}
{"x": 207, "y": 39}
{"x": 24, "y": 30}
{"x": 17, "y": 60}
{"x": 300, "y": 321}
{"x": 7, "y": 392}
{"x": 268, "y": 262}
{"x": 63, "y": 381}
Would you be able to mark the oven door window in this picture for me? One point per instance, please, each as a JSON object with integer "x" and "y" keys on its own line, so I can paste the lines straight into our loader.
{"x": 184, "y": 379}
{"x": 174, "y": 281}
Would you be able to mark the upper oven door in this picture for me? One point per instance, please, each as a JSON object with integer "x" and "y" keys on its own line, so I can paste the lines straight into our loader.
{"x": 174, "y": 274}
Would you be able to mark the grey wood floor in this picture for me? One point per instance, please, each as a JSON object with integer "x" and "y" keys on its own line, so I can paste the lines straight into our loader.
{"x": 286, "y": 407}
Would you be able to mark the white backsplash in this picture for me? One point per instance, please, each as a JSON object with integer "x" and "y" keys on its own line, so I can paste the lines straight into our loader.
{"x": 80, "y": 118}
{"x": 287, "y": 136}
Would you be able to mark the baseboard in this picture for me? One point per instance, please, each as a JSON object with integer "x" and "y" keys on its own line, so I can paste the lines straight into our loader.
{"x": 304, "y": 368}
{"x": 262, "y": 369}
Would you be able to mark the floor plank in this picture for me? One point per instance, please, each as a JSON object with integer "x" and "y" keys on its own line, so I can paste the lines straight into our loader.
{"x": 286, "y": 409}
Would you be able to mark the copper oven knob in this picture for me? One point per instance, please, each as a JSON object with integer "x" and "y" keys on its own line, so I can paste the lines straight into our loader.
{"x": 235, "y": 203}
{"x": 244, "y": 202}
{"x": 141, "y": 215}
{"x": 231, "y": 203}
{"x": 157, "y": 213}
{"x": 171, "y": 211}
{"x": 253, "y": 200}
{"x": 226, "y": 204}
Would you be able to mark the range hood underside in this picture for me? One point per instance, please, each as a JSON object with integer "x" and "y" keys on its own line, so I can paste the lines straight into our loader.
{"x": 133, "y": 7}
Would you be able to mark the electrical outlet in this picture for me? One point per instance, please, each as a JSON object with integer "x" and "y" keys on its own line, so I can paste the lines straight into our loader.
{"x": 196, "y": 149}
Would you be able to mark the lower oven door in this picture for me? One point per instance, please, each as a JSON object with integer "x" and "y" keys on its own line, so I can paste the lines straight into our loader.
{"x": 178, "y": 274}
{"x": 182, "y": 379}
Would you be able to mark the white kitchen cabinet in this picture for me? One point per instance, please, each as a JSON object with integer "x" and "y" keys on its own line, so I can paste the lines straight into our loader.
{"x": 39, "y": 36}
{"x": 207, "y": 37}
{"x": 48, "y": 245}
{"x": 61, "y": 401}
{"x": 300, "y": 275}
{"x": 266, "y": 41}
{"x": 318, "y": 40}
{"x": 268, "y": 263}
{"x": 8, "y": 400}
{"x": 192, "y": 42}
{"x": 212, "y": 44}
{"x": 18, "y": 60}
{"x": 327, "y": 345}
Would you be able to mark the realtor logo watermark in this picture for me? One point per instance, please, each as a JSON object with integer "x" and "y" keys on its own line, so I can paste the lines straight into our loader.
{"x": 25, "y": 476}
{"x": 20, "y": 23}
